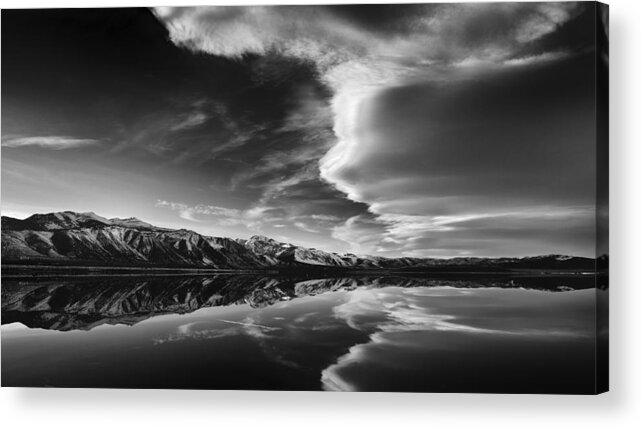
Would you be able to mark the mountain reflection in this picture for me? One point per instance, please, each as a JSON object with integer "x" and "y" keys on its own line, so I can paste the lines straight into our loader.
{"x": 84, "y": 303}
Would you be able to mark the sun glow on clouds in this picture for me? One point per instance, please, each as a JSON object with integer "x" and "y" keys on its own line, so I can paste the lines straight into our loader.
{"x": 438, "y": 45}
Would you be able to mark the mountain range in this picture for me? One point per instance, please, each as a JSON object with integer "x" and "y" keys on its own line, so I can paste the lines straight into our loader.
{"x": 70, "y": 238}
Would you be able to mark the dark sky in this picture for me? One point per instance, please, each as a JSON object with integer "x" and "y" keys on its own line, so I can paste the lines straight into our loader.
{"x": 419, "y": 130}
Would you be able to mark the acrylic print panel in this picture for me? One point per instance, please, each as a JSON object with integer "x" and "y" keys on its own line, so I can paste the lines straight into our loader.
{"x": 341, "y": 198}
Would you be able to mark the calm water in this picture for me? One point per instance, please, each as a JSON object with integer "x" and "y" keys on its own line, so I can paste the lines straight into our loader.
{"x": 351, "y": 334}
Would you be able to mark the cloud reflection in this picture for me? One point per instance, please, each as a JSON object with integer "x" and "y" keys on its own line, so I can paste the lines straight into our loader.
{"x": 402, "y": 322}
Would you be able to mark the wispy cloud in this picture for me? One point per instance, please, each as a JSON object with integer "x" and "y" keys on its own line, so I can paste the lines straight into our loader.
{"x": 265, "y": 217}
{"x": 52, "y": 142}
{"x": 482, "y": 233}
{"x": 253, "y": 218}
{"x": 189, "y": 121}
{"x": 227, "y": 216}
{"x": 304, "y": 227}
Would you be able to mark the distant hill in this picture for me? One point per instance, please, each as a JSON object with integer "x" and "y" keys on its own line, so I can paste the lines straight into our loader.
{"x": 69, "y": 238}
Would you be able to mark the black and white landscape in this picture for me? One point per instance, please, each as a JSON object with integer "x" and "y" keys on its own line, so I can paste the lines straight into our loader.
{"x": 86, "y": 239}
{"x": 347, "y": 197}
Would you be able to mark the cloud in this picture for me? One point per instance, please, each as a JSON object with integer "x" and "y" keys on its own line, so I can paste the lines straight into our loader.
{"x": 514, "y": 148}
{"x": 321, "y": 35}
{"x": 267, "y": 337}
{"x": 188, "y": 332}
{"x": 362, "y": 232}
{"x": 407, "y": 100}
{"x": 256, "y": 218}
{"x": 304, "y": 227}
{"x": 189, "y": 130}
{"x": 252, "y": 328}
{"x": 419, "y": 323}
{"x": 492, "y": 234}
{"x": 52, "y": 142}
{"x": 189, "y": 121}
{"x": 187, "y": 212}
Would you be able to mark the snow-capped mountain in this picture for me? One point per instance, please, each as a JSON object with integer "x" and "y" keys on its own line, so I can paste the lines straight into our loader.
{"x": 86, "y": 238}
{"x": 276, "y": 252}
{"x": 67, "y": 237}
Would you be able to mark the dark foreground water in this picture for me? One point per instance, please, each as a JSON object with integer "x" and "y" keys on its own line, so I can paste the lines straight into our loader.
{"x": 522, "y": 335}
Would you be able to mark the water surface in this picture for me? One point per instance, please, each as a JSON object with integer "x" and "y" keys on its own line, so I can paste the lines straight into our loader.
{"x": 487, "y": 334}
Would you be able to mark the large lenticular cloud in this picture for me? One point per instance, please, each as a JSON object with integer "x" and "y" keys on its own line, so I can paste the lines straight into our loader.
{"x": 437, "y": 51}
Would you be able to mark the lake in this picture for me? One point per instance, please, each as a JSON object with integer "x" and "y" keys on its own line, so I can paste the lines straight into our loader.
{"x": 523, "y": 334}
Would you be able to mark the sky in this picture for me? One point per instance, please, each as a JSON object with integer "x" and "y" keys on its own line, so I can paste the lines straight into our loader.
{"x": 434, "y": 130}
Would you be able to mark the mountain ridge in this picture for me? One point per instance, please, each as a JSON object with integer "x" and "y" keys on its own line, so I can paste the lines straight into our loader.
{"x": 66, "y": 237}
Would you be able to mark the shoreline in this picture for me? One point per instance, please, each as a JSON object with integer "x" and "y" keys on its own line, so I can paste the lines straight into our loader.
{"x": 23, "y": 271}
